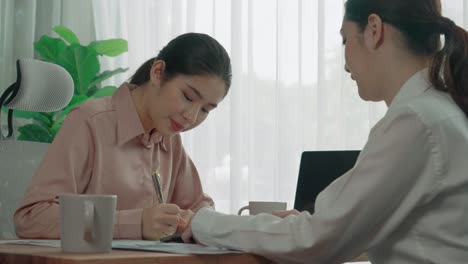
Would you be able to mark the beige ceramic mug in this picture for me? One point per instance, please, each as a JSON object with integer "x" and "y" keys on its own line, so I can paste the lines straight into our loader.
{"x": 87, "y": 222}
{"x": 257, "y": 207}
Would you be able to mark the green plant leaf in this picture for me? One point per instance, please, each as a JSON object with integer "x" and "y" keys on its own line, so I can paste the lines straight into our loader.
{"x": 49, "y": 48}
{"x": 55, "y": 129}
{"x": 110, "y": 47}
{"x": 76, "y": 100}
{"x": 33, "y": 132}
{"x": 92, "y": 90}
{"x": 82, "y": 64}
{"x": 44, "y": 119}
{"x": 66, "y": 34}
{"x": 105, "y": 75}
{"x": 104, "y": 91}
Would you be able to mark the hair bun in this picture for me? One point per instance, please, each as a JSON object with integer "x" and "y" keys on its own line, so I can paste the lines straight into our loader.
{"x": 445, "y": 25}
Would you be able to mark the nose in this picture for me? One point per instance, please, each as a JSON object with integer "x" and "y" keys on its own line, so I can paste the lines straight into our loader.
{"x": 191, "y": 114}
{"x": 346, "y": 68}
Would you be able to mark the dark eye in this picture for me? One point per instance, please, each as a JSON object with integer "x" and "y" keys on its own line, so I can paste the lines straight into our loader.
{"x": 187, "y": 98}
{"x": 205, "y": 111}
{"x": 344, "y": 41}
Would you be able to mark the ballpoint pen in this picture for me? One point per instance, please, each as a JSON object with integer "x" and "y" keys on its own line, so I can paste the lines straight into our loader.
{"x": 158, "y": 188}
{"x": 157, "y": 185}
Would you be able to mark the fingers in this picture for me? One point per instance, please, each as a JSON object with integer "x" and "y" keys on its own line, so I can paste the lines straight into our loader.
{"x": 171, "y": 209}
{"x": 166, "y": 230}
{"x": 187, "y": 235}
{"x": 186, "y": 215}
{"x": 160, "y": 229}
{"x": 184, "y": 218}
{"x": 182, "y": 225}
{"x": 168, "y": 224}
{"x": 160, "y": 221}
{"x": 163, "y": 220}
{"x": 167, "y": 221}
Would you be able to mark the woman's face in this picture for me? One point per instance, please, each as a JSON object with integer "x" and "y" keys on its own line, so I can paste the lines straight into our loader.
{"x": 359, "y": 61}
{"x": 181, "y": 103}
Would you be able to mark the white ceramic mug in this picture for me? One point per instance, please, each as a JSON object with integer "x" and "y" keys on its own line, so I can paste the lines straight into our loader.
{"x": 257, "y": 207}
{"x": 87, "y": 222}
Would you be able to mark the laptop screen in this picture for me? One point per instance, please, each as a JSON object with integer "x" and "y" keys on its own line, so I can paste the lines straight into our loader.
{"x": 317, "y": 170}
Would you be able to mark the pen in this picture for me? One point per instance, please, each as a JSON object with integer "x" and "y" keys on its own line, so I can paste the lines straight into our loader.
{"x": 157, "y": 185}
{"x": 175, "y": 238}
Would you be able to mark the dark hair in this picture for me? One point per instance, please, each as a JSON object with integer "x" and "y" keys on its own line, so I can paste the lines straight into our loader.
{"x": 189, "y": 54}
{"x": 421, "y": 23}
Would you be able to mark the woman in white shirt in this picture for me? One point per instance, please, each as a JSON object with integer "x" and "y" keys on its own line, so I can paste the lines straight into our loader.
{"x": 406, "y": 199}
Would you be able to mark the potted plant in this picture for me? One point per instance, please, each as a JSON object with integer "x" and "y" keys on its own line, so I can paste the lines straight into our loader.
{"x": 83, "y": 65}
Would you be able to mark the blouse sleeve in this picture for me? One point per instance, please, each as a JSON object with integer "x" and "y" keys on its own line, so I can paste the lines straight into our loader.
{"x": 188, "y": 192}
{"x": 394, "y": 174}
{"x": 66, "y": 168}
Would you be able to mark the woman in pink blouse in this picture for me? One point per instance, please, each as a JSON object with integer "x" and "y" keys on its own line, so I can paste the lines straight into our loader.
{"x": 112, "y": 145}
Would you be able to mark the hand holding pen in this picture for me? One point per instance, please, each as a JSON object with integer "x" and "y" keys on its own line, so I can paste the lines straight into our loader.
{"x": 162, "y": 219}
{"x": 185, "y": 215}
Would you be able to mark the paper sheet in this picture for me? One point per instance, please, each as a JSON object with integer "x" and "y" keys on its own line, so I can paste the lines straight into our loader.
{"x": 143, "y": 245}
{"x": 179, "y": 248}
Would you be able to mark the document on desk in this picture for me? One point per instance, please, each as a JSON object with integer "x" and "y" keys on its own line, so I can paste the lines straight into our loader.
{"x": 34, "y": 242}
{"x": 143, "y": 245}
{"x": 179, "y": 248}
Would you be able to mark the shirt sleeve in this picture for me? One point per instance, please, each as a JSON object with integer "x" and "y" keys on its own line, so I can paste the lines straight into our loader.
{"x": 393, "y": 175}
{"x": 188, "y": 190}
{"x": 66, "y": 168}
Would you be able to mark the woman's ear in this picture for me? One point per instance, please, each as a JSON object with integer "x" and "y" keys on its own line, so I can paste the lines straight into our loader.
{"x": 157, "y": 71}
{"x": 374, "y": 32}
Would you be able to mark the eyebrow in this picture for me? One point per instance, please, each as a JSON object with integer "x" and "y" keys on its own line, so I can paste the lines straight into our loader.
{"x": 200, "y": 95}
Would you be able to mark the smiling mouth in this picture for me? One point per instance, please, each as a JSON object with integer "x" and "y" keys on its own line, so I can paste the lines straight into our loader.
{"x": 176, "y": 127}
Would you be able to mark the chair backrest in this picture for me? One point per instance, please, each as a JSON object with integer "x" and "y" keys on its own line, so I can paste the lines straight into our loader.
{"x": 40, "y": 87}
{"x": 317, "y": 170}
{"x": 18, "y": 162}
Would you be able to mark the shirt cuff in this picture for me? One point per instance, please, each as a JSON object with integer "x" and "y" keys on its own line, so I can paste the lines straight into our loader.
{"x": 199, "y": 221}
{"x": 128, "y": 224}
{"x": 204, "y": 227}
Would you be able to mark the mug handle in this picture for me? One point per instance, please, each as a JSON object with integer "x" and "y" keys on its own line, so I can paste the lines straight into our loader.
{"x": 242, "y": 209}
{"x": 88, "y": 221}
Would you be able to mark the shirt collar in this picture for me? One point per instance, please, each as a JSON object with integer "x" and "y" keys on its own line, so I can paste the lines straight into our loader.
{"x": 129, "y": 125}
{"x": 414, "y": 86}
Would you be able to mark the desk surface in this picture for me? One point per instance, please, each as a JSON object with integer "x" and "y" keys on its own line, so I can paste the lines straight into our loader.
{"x": 49, "y": 255}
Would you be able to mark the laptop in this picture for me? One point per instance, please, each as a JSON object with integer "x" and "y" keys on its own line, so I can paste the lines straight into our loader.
{"x": 317, "y": 170}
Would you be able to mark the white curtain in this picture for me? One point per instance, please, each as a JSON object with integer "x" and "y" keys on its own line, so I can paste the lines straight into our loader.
{"x": 22, "y": 22}
{"x": 289, "y": 91}
{"x": 15, "y": 16}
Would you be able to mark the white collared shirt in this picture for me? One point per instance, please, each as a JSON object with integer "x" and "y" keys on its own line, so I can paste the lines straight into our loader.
{"x": 405, "y": 200}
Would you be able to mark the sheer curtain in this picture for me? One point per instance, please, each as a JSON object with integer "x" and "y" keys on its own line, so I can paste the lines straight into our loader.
{"x": 289, "y": 91}
{"x": 22, "y": 22}
{"x": 15, "y": 16}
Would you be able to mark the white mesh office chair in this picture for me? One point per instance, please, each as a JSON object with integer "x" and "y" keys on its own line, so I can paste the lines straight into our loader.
{"x": 40, "y": 87}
